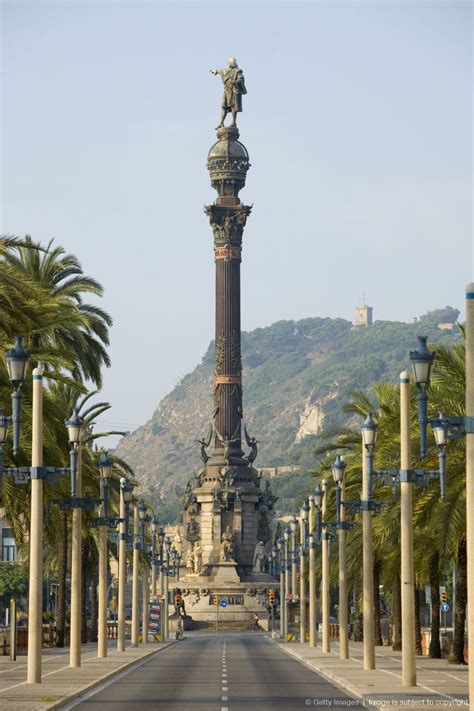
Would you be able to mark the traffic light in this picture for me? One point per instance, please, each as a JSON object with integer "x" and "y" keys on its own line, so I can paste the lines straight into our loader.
{"x": 271, "y": 597}
{"x": 444, "y": 596}
{"x": 216, "y": 599}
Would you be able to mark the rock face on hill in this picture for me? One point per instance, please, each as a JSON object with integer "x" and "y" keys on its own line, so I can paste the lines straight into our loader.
{"x": 295, "y": 378}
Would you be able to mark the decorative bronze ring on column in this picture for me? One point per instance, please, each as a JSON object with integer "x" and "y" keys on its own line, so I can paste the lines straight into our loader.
{"x": 227, "y": 253}
{"x": 228, "y": 379}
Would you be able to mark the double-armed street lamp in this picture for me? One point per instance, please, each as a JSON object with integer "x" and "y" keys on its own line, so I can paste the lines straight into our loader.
{"x": 103, "y": 522}
{"x": 302, "y": 552}
{"x": 294, "y": 558}
{"x": 338, "y": 470}
{"x": 446, "y": 428}
{"x": 407, "y": 477}
{"x": 281, "y": 570}
{"x": 135, "y": 564}
{"x": 142, "y": 510}
{"x": 287, "y": 564}
{"x": 125, "y": 496}
{"x": 154, "y": 532}
{"x": 17, "y": 359}
{"x": 166, "y": 573}
{"x": 76, "y": 502}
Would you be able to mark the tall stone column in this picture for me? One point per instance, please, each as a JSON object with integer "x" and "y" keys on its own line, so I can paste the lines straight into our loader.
{"x": 228, "y": 163}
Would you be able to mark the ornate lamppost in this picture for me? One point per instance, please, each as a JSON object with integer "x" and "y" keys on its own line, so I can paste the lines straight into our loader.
{"x": 17, "y": 359}
{"x": 125, "y": 496}
{"x": 103, "y": 522}
{"x": 447, "y": 428}
{"x": 338, "y": 469}
{"x": 407, "y": 478}
{"x": 287, "y": 563}
{"x": 302, "y": 550}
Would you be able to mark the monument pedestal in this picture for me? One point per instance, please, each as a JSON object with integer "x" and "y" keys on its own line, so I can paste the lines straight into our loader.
{"x": 225, "y": 573}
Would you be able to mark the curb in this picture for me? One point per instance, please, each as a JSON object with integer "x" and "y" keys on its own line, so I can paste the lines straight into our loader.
{"x": 97, "y": 682}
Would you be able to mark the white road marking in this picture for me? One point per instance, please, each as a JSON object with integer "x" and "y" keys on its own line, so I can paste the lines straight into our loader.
{"x": 225, "y": 698}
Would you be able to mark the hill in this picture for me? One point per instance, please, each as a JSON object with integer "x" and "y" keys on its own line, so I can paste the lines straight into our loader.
{"x": 295, "y": 377}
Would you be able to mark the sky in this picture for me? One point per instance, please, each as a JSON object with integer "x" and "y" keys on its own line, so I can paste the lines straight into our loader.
{"x": 358, "y": 121}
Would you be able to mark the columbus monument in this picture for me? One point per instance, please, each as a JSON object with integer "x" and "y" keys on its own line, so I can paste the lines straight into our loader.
{"x": 228, "y": 527}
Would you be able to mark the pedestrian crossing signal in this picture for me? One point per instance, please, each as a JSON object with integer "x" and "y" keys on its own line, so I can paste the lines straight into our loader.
{"x": 271, "y": 597}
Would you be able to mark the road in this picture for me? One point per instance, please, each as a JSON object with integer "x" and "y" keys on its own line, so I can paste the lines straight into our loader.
{"x": 233, "y": 672}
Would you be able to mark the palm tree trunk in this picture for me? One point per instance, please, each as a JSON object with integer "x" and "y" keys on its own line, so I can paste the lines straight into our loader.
{"x": 84, "y": 582}
{"x": 419, "y": 648}
{"x": 435, "y": 645}
{"x": 378, "y": 629}
{"x": 397, "y": 616}
{"x": 457, "y": 652}
{"x": 61, "y": 591}
{"x": 358, "y": 616}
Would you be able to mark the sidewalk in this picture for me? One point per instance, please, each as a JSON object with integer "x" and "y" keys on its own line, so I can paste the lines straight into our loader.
{"x": 62, "y": 683}
{"x": 440, "y": 685}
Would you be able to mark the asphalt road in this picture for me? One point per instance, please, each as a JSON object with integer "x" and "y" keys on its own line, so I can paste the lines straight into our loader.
{"x": 219, "y": 673}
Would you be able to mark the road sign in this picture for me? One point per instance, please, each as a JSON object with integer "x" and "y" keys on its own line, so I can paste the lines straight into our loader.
{"x": 445, "y": 606}
{"x": 223, "y": 603}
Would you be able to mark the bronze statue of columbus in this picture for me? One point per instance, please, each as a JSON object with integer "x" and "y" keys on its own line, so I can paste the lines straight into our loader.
{"x": 234, "y": 87}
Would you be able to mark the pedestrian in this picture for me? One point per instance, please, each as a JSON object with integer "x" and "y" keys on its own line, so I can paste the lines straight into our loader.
{"x": 256, "y": 621}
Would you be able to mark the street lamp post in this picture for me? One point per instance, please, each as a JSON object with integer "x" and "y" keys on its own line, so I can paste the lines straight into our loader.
{"x": 338, "y": 470}
{"x": 469, "y": 429}
{"x": 166, "y": 585}
{"x": 103, "y": 522}
{"x": 161, "y": 541}
{"x": 136, "y": 558}
{"x": 303, "y": 525}
{"x": 294, "y": 559}
{"x": 74, "y": 425}
{"x": 281, "y": 567}
{"x": 326, "y": 644}
{"x": 313, "y": 623}
{"x": 154, "y": 531}
{"x": 145, "y": 586}
{"x": 35, "y": 599}
{"x": 406, "y": 539}
{"x": 286, "y": 554}
{"x": 125, "y": 494}
{"x": 369, "y": 436}
{"x": 17, "y": 358}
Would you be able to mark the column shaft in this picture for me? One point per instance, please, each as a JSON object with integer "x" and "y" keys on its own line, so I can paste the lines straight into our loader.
{"x": 406, "y": 539}
{"x": 368, "y": 572}
{"x": 35, "y": 590}
{"x": 470, "y": 477}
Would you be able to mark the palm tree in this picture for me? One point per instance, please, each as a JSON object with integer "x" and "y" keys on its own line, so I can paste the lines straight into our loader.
{"x": 73, "y": 329}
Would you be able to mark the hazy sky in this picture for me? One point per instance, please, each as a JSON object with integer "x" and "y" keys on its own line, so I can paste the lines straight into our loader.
{"x": 358, "y": 122}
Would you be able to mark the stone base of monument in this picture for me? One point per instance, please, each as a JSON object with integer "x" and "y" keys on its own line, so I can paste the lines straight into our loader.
{"x": 241, "y": 601}
{"x": 224, "y": 573}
